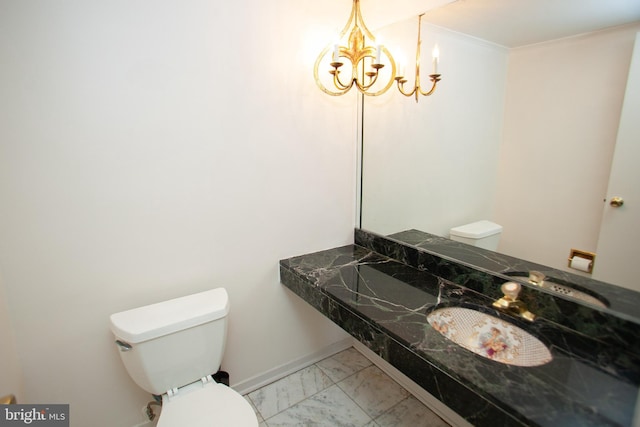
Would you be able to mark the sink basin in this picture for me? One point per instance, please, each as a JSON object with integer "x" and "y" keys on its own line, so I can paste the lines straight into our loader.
{"x": 489, "y": 336}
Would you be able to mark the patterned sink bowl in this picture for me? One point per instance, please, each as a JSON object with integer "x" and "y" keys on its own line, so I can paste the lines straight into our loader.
{"x": 489, "y": 336}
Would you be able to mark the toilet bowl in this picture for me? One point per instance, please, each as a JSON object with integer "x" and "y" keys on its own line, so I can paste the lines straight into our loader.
{"x": 207, "y": 405}
{"x": 172, "y": 348}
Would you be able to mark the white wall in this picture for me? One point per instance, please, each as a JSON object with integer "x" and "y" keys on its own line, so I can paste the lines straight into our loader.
{"x": 11, "y": 379}
{"x": 561, "y": 118}
{"x": 426, "y": 163}
{"x": 153, "y": 149}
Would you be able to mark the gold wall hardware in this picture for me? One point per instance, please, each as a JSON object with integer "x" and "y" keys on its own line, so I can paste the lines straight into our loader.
{"x": 9, "y": 399}
{"x": 510, "y": 302}
{"x": 364, "y": 61}
{"x": 582, "y": 254}
{"x": 435, "y": 77}
{"x": 616, "y": 202}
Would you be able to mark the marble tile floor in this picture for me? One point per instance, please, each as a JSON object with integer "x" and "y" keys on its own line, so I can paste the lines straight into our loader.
{"x": 344, "y": 390}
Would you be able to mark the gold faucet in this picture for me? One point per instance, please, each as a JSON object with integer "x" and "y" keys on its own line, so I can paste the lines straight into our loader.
{"x": 536, "y": 278}
{"x": 510, "y": 302}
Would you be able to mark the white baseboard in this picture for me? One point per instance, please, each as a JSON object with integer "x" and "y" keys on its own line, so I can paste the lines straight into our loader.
{"x": 418, "y": 392}
{"x": 279, "y": 372}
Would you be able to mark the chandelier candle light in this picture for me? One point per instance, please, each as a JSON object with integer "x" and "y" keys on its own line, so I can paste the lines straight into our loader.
{"x": 435, "y": 77}
{"x": 365, "y": 61}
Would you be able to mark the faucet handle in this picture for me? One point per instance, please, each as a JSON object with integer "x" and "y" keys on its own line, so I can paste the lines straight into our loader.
{"x": 511, "y": 290}
{"x": 510, "y": 301}
{"x": 536, "y": 277}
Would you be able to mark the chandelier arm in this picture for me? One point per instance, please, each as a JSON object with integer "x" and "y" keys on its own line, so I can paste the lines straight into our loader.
{"x": 332, "y": 93}
{"x": 338, "y": 83}
{"x": 322, "y": 87}
{"x": 360, "y": 21}
{"x": 392, "y": 62}
{"x": 416, "y": 88}
{"x": 435, "y": 78}
{"x": 362, "y": 86}
{"x": 433, "y": 88}
{"x": 360, "y": 65}
{"x": 401, "y": 88}
{"x": 342, "y": 92}
{"x": 317, "y": 77}
{"x": 352, "y": 18}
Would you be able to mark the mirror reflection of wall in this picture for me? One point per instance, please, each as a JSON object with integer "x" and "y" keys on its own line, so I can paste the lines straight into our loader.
{"x": 523, "y": 137}
{"x": 565, "y": 148}
{"x": 418, "y": 158}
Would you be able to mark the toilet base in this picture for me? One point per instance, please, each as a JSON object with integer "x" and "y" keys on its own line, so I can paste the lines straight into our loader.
{"x": 221, "y": 377}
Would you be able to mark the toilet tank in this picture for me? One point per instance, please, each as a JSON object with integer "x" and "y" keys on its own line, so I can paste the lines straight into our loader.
{"x": 483, "y": 234}
{"x": 173, "y": 343}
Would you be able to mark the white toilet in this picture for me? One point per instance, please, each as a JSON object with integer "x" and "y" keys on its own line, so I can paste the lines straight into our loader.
{"x": 172, "y": 348}
{"x": 483, "y": 234}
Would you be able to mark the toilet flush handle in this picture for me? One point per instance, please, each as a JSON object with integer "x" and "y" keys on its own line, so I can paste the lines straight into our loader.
{"x": 123, "y": 345}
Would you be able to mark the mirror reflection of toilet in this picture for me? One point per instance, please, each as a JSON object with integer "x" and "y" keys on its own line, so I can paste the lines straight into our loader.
{"x": 482, "y": 234}
{"x": 172, "y": 349}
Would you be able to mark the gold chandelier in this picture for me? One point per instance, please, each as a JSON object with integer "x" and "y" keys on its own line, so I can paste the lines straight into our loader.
{"x": 364, "y": 61}
{"x": 435, "y": 77}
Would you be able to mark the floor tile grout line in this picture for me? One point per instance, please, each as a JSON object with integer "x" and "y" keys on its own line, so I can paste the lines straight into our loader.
{"x": 319, "y": 391}
{"x": 332, "y": 383}
{"x": 392, "y": 408}
{"x": 298, "y": 402}
{"x": 358, "y": 369}
{"x": 356, "y": 403}
{"x": 306, "y": 398}
{"x": 337, "y": 383}
{"x": 372, "y": 418}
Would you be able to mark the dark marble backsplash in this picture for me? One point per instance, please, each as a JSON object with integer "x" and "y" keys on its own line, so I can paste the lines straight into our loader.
{"x": 619, "y": 300}
{"x": 484, "y": 271}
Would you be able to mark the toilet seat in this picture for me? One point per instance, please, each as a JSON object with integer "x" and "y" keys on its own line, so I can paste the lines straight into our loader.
{"x": 208, "y": 405}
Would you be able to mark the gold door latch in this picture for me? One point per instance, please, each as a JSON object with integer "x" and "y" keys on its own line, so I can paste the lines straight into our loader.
{"x": 9, "y": 399}
{"x": 616, "y": 202}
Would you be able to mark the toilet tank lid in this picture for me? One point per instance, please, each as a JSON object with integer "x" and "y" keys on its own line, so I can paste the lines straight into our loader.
{"x": 163, "y": 318}
{"x": 476, "y": 230}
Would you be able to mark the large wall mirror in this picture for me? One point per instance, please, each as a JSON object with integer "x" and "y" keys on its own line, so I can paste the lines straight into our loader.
{"x": 522, "y": 131}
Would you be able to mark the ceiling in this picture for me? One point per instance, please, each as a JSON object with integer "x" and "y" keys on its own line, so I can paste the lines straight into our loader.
{"x": 510, "y": 23}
